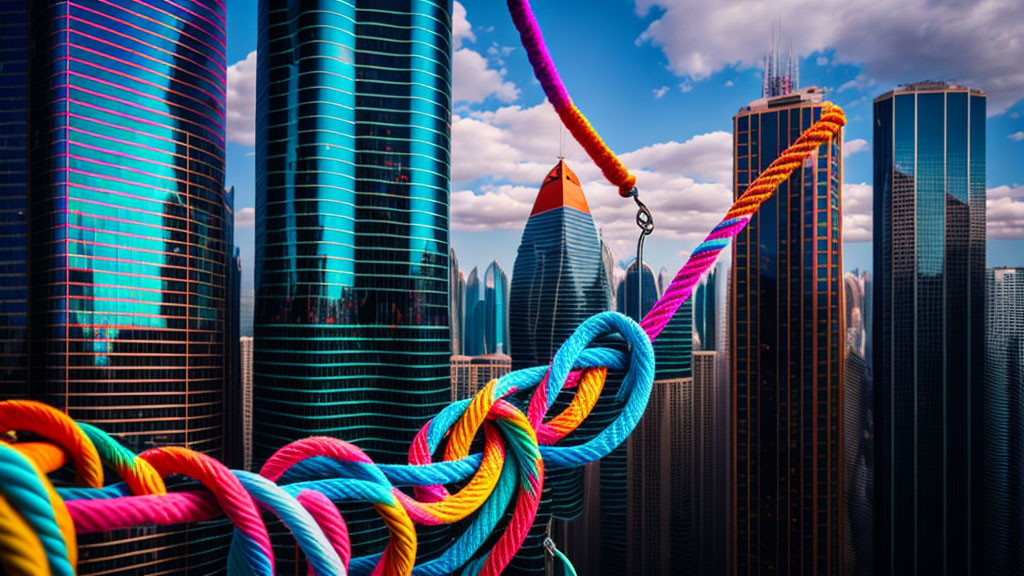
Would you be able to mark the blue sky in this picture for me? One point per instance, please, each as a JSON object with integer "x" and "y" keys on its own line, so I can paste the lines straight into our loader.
{"x": 660, "y": 81}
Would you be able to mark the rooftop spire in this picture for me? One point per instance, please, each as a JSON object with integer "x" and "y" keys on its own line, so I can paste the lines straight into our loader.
{"x": 561, "y": 188}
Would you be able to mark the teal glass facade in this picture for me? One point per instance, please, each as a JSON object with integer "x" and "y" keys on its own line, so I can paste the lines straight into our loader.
{"x": 929, "y": 331}
{"x": 130, "y": 232}
{"x": 496, "y": 308}
{"x": 351, "y": 335}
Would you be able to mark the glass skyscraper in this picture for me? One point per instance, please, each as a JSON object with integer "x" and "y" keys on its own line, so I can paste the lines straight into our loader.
{"x": 787, "y": 349}
{"x": 473, "y": 307}
{"x": 1004, "y": 420}
{"x": 456, "y": 303}
{"x": 13, "y": 198}
{"x": 352, "y": 337}
{"x": 130, "y": 270}
{"x": 496, "y": 304}
{"x": 558, "y": 281}
{"x": 929, "y": 328}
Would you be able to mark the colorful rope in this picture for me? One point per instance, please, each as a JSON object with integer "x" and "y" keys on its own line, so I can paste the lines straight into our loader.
{"x": 302, "y": 482}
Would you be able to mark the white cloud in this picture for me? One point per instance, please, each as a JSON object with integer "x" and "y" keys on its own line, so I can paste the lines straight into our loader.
{"x": 728, "y": 84}
{"x": 857, "y": 202}
{"x": 1016, "y": 136}
{"x": 822, "y": 61}
{"x": 461, "y": 28}
{"x": 474, "y": 81}
{"x": 685, "y": 87}
{"x": 241, "y": 102}
{"x": 976, "y": 43}
{"x": 854, "y": 146}
{"x": 1005, "y": 212}
{"x": 245, "y": 218}
{"x": 659, "y": 92}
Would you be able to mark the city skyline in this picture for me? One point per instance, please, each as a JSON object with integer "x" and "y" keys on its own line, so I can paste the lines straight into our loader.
{"x": 497, "y": 104}
{"x": 806, "y": 414}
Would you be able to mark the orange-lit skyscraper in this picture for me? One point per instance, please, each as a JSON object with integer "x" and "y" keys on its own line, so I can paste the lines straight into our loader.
{"x": 787, "y": 350}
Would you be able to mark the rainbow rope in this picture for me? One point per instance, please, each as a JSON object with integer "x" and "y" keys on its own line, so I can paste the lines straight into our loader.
{"x": 301, "y": 483}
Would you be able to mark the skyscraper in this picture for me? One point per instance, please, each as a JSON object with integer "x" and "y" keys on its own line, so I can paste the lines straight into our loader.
{"x": 853, "y": 312}
{"x": 1004, "y": 421}
{"x": 787, "y": 350}
{"x": 352, "y": 336}
{"x": 496, "y": 331}
{"x": 929, "y": 327}
{"x": 858, "y": 468}
{"x": 473, "y": 331}
{"x": 471, "y": 373}
{"x": 558, "y": 281}
{"x": 781, "y": 74}
{"x": 130, "y": 270}
{"x": 705, "y": 310}
{"x": 608, "y": 263}
{"x": 245, "y": 347}
{"x": 456, "y": 302}
{"x": 14, "y": 54}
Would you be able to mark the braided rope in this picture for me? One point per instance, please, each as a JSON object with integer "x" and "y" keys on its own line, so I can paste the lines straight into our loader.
{"x": 302, "y": 482}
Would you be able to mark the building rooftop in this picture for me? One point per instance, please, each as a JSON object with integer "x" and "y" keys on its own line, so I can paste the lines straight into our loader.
{"x": 561, "y": 188}
{"x": 811, "y": 94}
{"x": 930, "y": 86}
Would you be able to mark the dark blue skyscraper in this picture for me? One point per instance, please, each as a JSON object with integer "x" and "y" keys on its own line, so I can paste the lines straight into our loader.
{"x": 352, "y": 338}
{"x": 495, "y": 310}
{"x": 705, "y": 310}
{"x": 14, "y": 64}
{"x": 558, "y": 281}
{"x": 1004, "y": 421}
{"x": 929, "y": 329}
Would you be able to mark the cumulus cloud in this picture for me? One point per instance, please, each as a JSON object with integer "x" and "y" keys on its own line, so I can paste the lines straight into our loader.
{"x": 857, "y": 202}
{"x": 852, "y": 147}
{"x": 977, "y": 43}
{"x": 473, "y": 80}
{"x": 1016, "y": 136}
{"x": 1005, "y": 212}
{"x": 461, "y": 28}
{"x": 241, "y": 104}
{"x": 245, "y": 218}
{"x": 500, "y": 158}
{"x": 659, "y": 92}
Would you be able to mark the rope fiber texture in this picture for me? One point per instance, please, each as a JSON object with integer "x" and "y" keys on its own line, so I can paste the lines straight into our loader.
{"x": 497, "y": 491}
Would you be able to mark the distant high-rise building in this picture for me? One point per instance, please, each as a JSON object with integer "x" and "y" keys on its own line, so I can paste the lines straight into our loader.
{"x": 929, "y": 328}
{"x": 664, "y": 482}
{"x": 246, "y": 357}
{"x": 853, "y": 313}
{"x": 708, "y": 513}
{"x": 1004, "y": 421}
{"x": 608, "y": 263}
{"x": 787, "y": 349}
{"x": 781, "y": 73}
{"x": 246, "y": 308}
{"x": 114, "y": 117}
{"x": 456, "y": 302}
{"x": 471, "y": 373}
{"x": 14, "y": 105}
{"x": 473, "y": 331}
{"x": 352, "y": 337}
{"x": 558, "y": 281}
{"x": 705, "y": 310}
{"x": 496, "y": 330}
{"x": 858, "y": 471}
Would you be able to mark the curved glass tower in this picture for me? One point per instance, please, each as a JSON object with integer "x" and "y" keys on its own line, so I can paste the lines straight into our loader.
{"x": 496, "y": 309}
{"x": 130, "y": 233}
{"x": 352, "y": 338}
